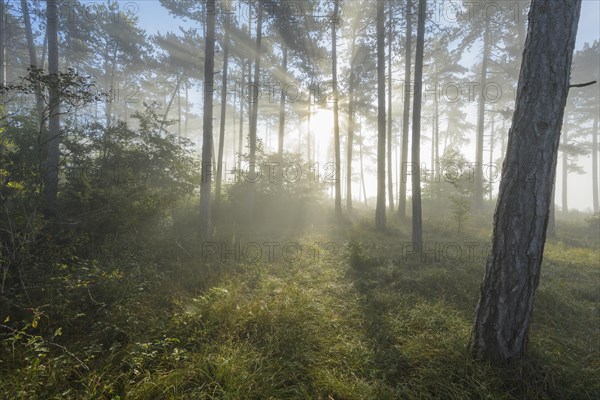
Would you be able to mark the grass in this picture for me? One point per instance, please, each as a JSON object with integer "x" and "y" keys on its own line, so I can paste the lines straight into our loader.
{"x": 366, "y": 323}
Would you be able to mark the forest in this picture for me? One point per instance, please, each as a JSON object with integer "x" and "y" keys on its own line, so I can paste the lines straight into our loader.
{"x": 299, "y": 199}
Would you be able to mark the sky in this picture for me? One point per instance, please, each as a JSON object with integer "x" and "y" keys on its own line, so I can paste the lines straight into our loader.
{"x": 154, "y": 18}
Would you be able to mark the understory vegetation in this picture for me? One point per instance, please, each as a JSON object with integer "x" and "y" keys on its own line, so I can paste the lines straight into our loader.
{"x": 342, "y": 313}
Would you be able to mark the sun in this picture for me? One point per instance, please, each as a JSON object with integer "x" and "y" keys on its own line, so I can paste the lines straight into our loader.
{"x": 321, "y": 128}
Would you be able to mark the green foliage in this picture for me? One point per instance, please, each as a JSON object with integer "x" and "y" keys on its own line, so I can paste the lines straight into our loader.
{"x": 119, "y": 178}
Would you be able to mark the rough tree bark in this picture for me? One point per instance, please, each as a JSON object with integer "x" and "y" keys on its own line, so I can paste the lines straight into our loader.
{"x": 507, "y": 293}
{"x": 417, "y": 224}
{"x": 405, "y": 113}
{"x": 207, "y": 121}
{"x": 381, "y": 133}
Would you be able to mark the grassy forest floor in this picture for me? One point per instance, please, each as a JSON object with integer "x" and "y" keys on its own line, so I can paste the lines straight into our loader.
{"x": 353, "y": 317}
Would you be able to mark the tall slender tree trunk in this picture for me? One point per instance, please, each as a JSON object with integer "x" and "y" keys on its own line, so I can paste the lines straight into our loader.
{"x": 552, "y": 217}
{"x": 336, "y": 123}
{"x": 39, "y": 101}
{"x": 254, "y": 115}
{"x": 491, "y": 159}
{"x": 223, "y": 115}
{"x": 405, "y": 113}
{"x": 178, "y": 110}
{"x": 207, "y": 121}
{"x": 53, "y": 140}
{"x": 478, "y": 190}
{"x": 2, "y": 43}
{"x": 596, "y": 207}
{"x": 390, "y": 170}
{"x": 282, "y": 103}
{"x": 187, "y": 111}
{"x": 417, "y": 224}
{"x": 308, "y": 129}
{"x": 380, "y": 219}
{"x": 241, "y": 132}
{"x": 565, "y": 172}
{"x": 503, "y": 315}
{"x": 436, "y": 142}
{"x": 171, "y": 99}
{"x": 362, "y": 170}
{"x": 351, "y": 112}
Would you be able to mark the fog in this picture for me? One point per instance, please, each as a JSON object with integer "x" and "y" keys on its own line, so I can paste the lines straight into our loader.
{"x": 299, "y": 199}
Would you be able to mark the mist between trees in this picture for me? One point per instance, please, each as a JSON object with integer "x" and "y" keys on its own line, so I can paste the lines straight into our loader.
{"x": 395, "y": 252}
{"x": 312, "y": 199}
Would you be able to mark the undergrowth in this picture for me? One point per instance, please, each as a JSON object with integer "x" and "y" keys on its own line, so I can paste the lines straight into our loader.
{"x": 369, "y": 323}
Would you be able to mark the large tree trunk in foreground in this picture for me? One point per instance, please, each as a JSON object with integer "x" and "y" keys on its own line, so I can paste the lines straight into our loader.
{"x": 417, "y": 225}
{"x": 405, "y": 113}
{"x": 52, "y": 143}
{"x": 505, "y": 306}
{"x": 380, "y": 207}
{"x": 207, "y": 122}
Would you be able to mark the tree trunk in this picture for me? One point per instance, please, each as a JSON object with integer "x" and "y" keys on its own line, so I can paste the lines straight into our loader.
{"x": 223, "y": 115}
{"x": 282, "y": 103}
{"x": 478, "y": 190}
{"x": 552, "y": 217}
{"x": 351, "y": 106}
{"x": 170, "y": 103}
{"x": 417, "y": 225}
{"x": 53, "y": 140}
{"x": 307, "y": 130}
{"x": 362, "y": 170}
{"x": 241, "y": 132}
{"x": 595, "y": 162}
{"x": 254, "y": 114}
{"x": 405, "y": 113}
{"x": 436, "y": 142}
{"x": 207, "y": 121}
{"x": 565, "y": 172}
{"x": 507, "y": 293}
{"x": 491, "y": 159}
{"x": 178, "y": 110}
{"x": 336, "y": 124}
{"x": 39, "y": 101}
{"x": 381, "y": 133}
{"x": 390, "y": 170}
{"x": 2, "y": 43}
{"x": 187, "y": 111}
